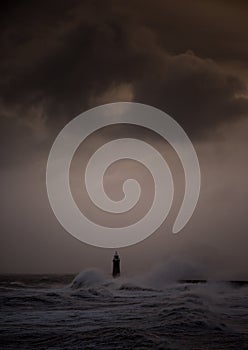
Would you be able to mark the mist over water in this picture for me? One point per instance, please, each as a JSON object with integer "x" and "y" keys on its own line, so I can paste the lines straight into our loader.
{"x": 159, "y": 276}
{"x": 152, "y": 310}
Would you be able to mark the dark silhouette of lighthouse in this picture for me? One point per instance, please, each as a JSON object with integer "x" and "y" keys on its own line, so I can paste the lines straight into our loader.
{"x": 116, "y": 265}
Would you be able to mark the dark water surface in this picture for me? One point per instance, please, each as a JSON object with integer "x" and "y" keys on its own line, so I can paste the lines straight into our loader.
{"x": 96, "y": 312}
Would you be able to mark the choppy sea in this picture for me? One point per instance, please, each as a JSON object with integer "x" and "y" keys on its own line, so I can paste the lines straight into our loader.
{"x": 94, "y": 311}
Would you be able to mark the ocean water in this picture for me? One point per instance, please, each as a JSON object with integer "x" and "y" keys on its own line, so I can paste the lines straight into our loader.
{"x": 94, "y": 311}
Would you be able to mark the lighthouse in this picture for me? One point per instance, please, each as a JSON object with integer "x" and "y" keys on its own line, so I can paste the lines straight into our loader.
{"x": 116, "y": 265}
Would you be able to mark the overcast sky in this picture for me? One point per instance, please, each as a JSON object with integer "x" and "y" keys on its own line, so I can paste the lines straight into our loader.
{"x": 188, "y": 58}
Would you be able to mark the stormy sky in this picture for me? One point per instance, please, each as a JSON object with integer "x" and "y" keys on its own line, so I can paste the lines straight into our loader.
{"x": 187, "y": 58}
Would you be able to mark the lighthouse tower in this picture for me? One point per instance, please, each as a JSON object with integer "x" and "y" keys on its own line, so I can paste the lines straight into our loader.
{"x": 116, "y": 265}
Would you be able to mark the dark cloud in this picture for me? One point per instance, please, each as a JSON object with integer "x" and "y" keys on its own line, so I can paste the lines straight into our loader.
{"x": 195, "y": 91}
{"x": 61, "y": 57}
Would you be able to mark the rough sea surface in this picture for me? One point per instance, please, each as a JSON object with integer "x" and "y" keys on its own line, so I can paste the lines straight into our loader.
{"x": 94, "y": 311}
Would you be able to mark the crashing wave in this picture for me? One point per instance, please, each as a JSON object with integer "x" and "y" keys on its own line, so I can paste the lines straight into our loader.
{"x": 88, "y": 278}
